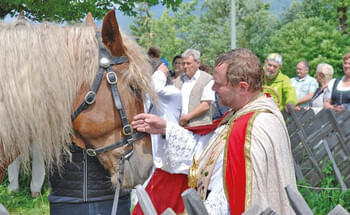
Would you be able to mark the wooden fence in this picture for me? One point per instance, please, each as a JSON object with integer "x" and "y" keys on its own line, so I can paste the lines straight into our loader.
{"x": 318, "y": 139}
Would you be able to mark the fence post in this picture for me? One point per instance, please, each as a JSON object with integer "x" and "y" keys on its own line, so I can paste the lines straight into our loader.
{"x": 145, "y": 201}
{"x": 297, "y": 202}
{"x": 193, "y": 203}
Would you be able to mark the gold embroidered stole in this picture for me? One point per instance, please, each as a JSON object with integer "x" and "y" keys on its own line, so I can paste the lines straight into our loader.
{"x": 208, "y": 162}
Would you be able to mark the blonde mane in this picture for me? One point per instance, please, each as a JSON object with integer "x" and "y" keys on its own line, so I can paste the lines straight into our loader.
{"x": 43, "y": 66}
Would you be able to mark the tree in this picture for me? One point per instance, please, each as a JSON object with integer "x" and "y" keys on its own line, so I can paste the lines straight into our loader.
{"x": 310, "y": 39}
{"x": 210, "y": 33}
{"x": 334, "y": 11}
{"x": 170, "y": 32}
{"x": 73, "y": 10}
{"x": 254, "y": 24}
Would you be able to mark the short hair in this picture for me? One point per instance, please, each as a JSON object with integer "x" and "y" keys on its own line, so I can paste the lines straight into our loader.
{"x": 277, "y": 58}
{"x": 192, "y": 52}
{"x": 325, "y": 69}
{"x": 205, "y": 68}
{"x": 154, "y": 51}
{"x": 306, "y": 64}
{"x": 175, "y": 58}
{"x": 346, "y": 56}
{"x": 243, "y": 65}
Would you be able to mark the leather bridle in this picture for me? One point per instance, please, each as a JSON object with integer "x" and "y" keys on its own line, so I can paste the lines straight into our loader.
{"x": 106, "y": 61}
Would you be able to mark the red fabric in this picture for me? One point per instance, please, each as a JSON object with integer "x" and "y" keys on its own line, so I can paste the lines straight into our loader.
{"x": 235, "y": 165}
{"x": 165, "y": 191}
{"x": 206, "y": 129}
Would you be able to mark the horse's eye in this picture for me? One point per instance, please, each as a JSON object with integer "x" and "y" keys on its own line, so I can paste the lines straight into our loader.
{"x": 135, "y": 90}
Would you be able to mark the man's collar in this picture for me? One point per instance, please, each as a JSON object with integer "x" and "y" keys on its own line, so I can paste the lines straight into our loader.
{"x": 302, "y": 79}
{"x": 194, "y": 77}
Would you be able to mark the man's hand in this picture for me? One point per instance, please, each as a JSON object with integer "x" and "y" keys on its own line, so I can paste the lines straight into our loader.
{"x": 149, "y": 123}
{"x": 163, "y": 69}
{"x": 338, "y": 108}
{"x": 184, "y": 120}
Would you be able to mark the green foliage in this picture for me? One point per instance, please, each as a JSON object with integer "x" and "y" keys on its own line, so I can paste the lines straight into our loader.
{"x": 211, "y": 32}
{"x": 21, "y": 202}
{"x": 329, "y": 10}
{"x": 310, "y": 39}
{"x": 170, "y": 32}
{"x": 73, "y": 10}
{"x": 323, "y": 201}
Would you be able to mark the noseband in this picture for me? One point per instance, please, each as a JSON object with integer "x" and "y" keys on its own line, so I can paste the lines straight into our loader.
{"x": 106, "y": 61}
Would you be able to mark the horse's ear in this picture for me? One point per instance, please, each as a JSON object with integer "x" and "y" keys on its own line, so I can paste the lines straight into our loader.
{"x": 89, "y": 21}
{"x": 111, "y": 35}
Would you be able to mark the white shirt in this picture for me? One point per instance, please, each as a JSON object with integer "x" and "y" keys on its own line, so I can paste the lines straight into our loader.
{"x": 207, "y": 95}
{"x": 181, "y": 155}
{"x": 169, "y": 108}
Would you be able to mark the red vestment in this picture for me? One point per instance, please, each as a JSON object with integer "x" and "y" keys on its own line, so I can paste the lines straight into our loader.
{"x": 165, "y": 191}
{"x": 235, "y": 165}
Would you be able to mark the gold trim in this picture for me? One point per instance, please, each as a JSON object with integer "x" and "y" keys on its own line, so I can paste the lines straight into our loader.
{"x": 193, "y": 174}
{"x": 248, "y": 159}
{"x": 194, "y": 168}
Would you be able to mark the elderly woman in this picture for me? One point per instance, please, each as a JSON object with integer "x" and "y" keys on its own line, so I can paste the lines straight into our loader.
{"x": 337, "y": 95}
{"x": 324, "y": 74}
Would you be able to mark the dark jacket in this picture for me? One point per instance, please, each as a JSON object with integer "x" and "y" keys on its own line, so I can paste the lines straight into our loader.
{"x": 82, "y": 180}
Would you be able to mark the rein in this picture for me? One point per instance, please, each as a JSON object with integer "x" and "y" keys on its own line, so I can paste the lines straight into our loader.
{"x": 106, "y": 61}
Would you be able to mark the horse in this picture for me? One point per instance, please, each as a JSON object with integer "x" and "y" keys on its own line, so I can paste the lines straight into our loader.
{"x": 50, "y": 95}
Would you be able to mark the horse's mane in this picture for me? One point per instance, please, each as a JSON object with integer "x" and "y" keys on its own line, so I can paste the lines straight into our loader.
{"x": 43, "y": 66}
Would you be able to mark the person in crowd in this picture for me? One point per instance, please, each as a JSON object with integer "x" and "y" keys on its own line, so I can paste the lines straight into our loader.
{"x": 337, "y": 95}
{"x": 305, "y": 85}
{"x": 248, "y": 158}
{"x": 167, "y": 181}
{"x": 197, "y": 95}
{"x": 177, "y": 67}
{"x": 324, "y": 74}
{"x": 205, "y": 68}
{"x": 83, "y": 186}
{"x": 38, "y": 173}
{"x": 219, "y": 110}
{"x": 278, "y": 84}
{"x": 154, "y": 52}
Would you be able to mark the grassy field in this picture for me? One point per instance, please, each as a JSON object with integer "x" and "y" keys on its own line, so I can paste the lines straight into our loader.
{"x": 21, "y": 203}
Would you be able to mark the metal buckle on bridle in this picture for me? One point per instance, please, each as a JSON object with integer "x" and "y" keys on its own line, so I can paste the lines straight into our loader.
{"x": 111, "y": 77}
{"x": 127, "y": 130}
{"x": 90, "y": 97}
{"x": 105, "y": 62}
{"x": 91, "y": 152}
{"x": 129, "y": 154}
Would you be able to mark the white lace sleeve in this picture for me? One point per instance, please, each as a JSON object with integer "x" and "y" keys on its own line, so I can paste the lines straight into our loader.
{"x": 216, "y": 202}
{"x": 179, "y": 147}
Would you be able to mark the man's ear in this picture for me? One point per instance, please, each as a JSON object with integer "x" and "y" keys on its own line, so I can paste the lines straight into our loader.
{"x": 243, "y": 86}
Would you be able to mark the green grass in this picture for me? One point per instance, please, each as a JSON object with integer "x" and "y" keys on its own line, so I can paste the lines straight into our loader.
{"x": 324, "y": 200}
{"x": 320, "y": 201}
{"x": 21, "y": 202}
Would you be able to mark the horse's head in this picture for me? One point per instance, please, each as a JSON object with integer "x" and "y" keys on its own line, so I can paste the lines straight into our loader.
{"x": 103, "y": 126}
